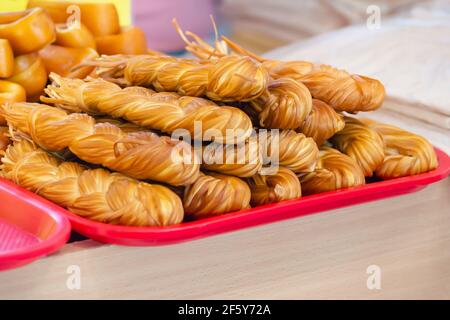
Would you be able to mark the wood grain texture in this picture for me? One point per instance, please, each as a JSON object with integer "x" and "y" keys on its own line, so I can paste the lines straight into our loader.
{"x": 319, "y": 256}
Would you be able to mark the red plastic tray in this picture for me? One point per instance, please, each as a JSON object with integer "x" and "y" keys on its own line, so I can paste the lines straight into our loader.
{"x": 29, "y": 227}
{"x": 147, "y": 236}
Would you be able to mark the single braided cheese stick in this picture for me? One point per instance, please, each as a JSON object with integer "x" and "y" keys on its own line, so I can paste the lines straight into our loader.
{"x": 361, "y": 143}
{"x": 214, "y": 194}
{"x": 167, "y": 112}
{"x": 240, "y": 160}
{"x": 406, "y": 153}
{"x": 334, "y": 170}
{"x": 281, "y": 186}
{"x": 295, "y": 151}
{"x": 338, "y": 88}
{"x": 233, "y": 78}
{"x": 94, "y": 194}
{"x": 322, "y": 123}
{"x": 285, "y": 105}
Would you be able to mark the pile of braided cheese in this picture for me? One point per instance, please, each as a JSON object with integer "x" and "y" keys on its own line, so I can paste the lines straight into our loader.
{"x": 104, "y": 148}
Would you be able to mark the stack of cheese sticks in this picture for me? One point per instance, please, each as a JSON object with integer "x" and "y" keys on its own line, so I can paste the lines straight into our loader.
{"x": 159, "y": 139}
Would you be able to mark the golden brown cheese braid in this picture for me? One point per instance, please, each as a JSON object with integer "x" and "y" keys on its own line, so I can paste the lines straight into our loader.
{"x": 340, "y": 89}
{"x": 166, "y": 112}
{"x": 215, "y": 194}
{"x": 406, "y": 153}
{"x": 322, "y": 123}
{"x": 240, "y": 160}
{"x": 295, "y": 151}
{"x": 334, "y": 170}
{"x": 281, "y": 186}
{"x": 233, "y": 78}
{"x": 361, "y": 143}
{"x": 94, "y": 194}
{"x": 285, "y": 105}
{"x": 142, "y": 155}
{"x": 4, "y": 138}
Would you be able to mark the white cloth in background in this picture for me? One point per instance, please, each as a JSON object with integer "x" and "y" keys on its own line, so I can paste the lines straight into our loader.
{"x": 409, "y": 54}
{"x": 290, "y": 20}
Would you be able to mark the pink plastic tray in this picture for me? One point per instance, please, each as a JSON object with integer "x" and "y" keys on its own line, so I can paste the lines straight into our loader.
{"x": 148, "y": 236}
{"x": 29, "y": 227}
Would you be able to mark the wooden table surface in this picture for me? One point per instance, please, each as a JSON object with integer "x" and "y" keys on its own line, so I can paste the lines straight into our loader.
{"x": 324, "y": 256}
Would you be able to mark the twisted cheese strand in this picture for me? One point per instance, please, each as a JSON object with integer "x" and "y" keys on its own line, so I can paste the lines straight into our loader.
{"x": 285, "y": 105}
{"x": 295, "y": 151}
{"x": 167, "y": 112}
{"x": 215, "y": 194}
{"x": 226, "y": 79}
{"x": 142, "y": 155}
{"x": 334, "y": 171}
{"x": 406, "y": 153}
{"x": 361, "y": 143}
{"x": 281, "y": 186}
{"x": 340, "y": 89}
{"x": 240, "y": 160}
{"x": 94, "y": 194}
{"x": 322, "y": 123}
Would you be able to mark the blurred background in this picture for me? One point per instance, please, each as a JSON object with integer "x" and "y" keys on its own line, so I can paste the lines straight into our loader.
{"x": 261, "y": 25}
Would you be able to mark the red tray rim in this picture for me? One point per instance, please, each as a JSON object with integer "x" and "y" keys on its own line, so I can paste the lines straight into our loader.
{"x": 60, "y": 236}
{"x": 228, "y": 222}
